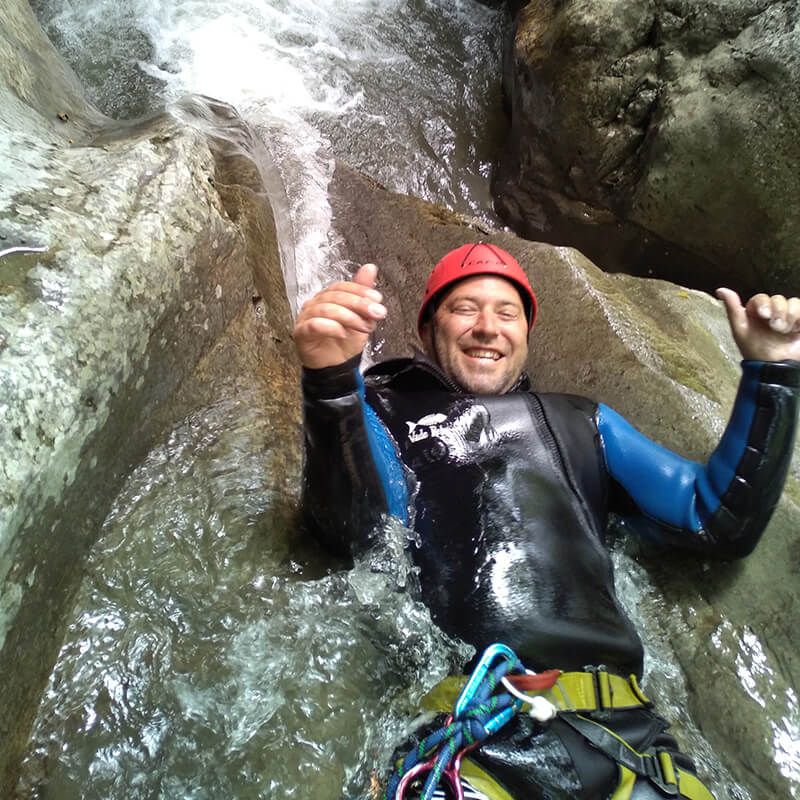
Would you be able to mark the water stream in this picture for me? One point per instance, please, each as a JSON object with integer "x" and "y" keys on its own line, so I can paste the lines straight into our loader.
{"x": 211, "y": 653}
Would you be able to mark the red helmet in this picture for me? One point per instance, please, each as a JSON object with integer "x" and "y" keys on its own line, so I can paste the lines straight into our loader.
{"x": 477, "y": 259}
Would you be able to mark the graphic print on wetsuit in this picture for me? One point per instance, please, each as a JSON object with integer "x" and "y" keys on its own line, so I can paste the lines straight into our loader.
{"x": 455, "y": 436}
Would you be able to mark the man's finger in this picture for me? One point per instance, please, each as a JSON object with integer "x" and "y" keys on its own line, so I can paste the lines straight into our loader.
{"x": 778, "y": 309}
{"x": 793, "y": 314}
{"x": 772, "y": 310}
{"x": 348, "y": 287}
{"x": 348, "y": 318}
{"x": 319, "y": 328}
{"x": 362, "y": 304}
{"x": 366, "y": 275}
{"x": 759, "y": 306}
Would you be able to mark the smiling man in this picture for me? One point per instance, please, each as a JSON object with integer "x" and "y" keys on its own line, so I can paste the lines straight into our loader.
{"x": 510, "y": 492}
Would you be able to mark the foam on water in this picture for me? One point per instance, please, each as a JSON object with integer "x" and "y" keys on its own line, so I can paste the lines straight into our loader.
{"x": 283, "y": 55}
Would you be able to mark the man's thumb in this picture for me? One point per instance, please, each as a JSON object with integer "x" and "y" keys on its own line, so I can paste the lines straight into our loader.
{"x": 737, "y": 315}
{"x": 366, "y": 275}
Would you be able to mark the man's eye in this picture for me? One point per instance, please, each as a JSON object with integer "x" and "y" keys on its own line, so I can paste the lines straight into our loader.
{"x": 463, "y": 309}
{"x": 508, "y": 315}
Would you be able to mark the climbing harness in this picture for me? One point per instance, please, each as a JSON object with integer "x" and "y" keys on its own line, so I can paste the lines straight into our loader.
{"x": 659, "y": 767}
{"x": 498, "y": 689}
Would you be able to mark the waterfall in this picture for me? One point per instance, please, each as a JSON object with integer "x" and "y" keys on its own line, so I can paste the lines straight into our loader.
{"x": 408, "y": 93}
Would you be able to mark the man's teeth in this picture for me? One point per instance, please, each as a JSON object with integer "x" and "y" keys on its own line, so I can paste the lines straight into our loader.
{"x": 493, "y": 354}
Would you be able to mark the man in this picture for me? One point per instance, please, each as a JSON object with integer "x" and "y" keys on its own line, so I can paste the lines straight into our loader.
{"x": 510, "y": 493}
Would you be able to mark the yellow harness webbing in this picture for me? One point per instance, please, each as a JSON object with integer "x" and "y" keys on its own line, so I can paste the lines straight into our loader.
{"x": 576, "y": 693}
{"x": 581, "y": 692}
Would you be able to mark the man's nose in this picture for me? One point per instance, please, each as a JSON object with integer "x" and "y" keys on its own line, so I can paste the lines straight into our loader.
{"x": 485, "y": 323}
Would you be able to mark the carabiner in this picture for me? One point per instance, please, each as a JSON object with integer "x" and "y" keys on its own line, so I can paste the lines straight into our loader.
{"x": 451, "y": 773}
{"x": 492, "y": 652}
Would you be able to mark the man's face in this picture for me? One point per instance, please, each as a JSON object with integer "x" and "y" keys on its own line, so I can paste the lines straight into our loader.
{"x": 479, "y": 335}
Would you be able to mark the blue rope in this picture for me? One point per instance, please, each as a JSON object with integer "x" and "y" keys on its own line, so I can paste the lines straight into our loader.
{"x": 482, "y": 715}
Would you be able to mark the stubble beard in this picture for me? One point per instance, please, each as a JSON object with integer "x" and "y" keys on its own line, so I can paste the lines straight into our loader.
{"x": 474, "y": 384}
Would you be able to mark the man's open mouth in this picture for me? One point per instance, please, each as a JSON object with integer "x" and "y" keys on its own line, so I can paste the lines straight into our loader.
{"x": 491, "y": 355}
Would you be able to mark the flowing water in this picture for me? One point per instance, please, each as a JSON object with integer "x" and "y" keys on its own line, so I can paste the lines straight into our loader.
{"x": 407, "y": 92}
{"x": 210, "y": 656}
{"x": 210, "y": 652}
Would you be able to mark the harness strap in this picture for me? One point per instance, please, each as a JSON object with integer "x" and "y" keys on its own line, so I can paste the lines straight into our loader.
{"x": 627, "y": 780}
{"x": 658, "y": 767}
{"x": 481, "y": 780}
{"x": 581, "y": 692}
{"x": 598, "y": 691}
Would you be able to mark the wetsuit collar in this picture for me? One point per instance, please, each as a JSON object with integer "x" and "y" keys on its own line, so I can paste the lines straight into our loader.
{"x": 420, "y": 361}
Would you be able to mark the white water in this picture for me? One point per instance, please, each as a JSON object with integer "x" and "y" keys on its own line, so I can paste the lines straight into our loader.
{"x": 211, "y": 656}
{"x": 407, "y": 92}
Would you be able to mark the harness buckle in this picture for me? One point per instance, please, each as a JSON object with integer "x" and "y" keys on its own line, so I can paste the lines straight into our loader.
{"x": 660, "y": 771}
{"x": 603, "y": 690}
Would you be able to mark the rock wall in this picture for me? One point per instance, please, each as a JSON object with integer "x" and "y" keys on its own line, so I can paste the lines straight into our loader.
{"x": 155, "y": 235}
{"x": 660, "y": 138}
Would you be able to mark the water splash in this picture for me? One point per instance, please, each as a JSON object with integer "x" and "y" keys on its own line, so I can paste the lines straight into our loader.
{"x": 212, "y": 654}
{"x": 407, "y": 92}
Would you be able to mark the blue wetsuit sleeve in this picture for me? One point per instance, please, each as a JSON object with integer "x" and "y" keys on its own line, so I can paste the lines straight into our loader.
{"x": 723, "y": 506}
{"x": 352, "y": 475}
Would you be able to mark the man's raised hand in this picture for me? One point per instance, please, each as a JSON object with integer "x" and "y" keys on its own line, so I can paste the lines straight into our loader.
{"x": 767, "y": 328}
{"x": 335, "y": 324}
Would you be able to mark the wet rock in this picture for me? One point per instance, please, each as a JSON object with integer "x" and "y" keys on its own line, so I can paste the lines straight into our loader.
{"x": 662, "y": 355}
{"x": 157, "y": 235}
{"x": 660, "y": 139}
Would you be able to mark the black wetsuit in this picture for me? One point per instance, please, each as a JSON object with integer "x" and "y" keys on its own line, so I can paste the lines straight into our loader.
{"x": 511, "y": 495}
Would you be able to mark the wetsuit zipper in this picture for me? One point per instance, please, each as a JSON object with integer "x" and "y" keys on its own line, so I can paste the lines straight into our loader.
{"x": 445, "y": 379}
{"x": 551, "y": 443}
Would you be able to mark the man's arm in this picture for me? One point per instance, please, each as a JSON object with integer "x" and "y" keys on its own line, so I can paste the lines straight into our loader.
{"x": 352, "y": 474}
{"x": 721, "y": 507}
